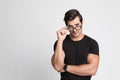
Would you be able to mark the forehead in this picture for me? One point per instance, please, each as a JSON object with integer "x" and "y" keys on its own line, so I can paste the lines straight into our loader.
{"x": 75, "y": 21}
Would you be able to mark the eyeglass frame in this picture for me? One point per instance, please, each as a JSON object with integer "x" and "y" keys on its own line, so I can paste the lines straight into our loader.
{"x": 77, "y": 27}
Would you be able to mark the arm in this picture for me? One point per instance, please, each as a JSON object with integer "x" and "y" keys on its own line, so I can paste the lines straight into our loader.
{"x": 85, "y": 69}
{"x": 57, "y": 59}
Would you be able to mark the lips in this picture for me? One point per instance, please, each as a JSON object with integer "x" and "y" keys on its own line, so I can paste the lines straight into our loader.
{"x": 75, "y": 33}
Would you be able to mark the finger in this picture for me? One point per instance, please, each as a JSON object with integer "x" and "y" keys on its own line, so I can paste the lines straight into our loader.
{"x": 65, "y": 28}
{"x": 62, "y": 32}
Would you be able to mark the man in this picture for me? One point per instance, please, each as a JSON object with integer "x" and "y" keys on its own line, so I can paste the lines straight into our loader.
{"x": 76, "y": 55}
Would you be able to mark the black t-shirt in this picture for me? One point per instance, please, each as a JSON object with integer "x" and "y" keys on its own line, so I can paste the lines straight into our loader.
{"x": 76, "y": 53}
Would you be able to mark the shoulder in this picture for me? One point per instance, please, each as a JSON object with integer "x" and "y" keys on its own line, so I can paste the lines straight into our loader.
{"x": 93, "y": 46}
{"x": 90, "y": 39}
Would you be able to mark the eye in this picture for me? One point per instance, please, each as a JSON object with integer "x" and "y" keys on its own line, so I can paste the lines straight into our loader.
{"x": 77, "y": 25}
{"x": 70, "y": 26}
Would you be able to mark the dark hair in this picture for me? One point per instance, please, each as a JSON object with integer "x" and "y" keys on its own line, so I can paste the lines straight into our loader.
{"x": 71, "y": 15}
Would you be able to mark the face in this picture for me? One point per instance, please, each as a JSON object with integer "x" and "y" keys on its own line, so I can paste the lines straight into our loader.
{"x": 75, "y": 27}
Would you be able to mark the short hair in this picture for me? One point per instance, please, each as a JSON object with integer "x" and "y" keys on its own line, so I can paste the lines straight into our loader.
{"x": 71, "y": 15}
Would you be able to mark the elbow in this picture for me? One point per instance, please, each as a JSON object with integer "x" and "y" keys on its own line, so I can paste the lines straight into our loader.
{"x": 58, "y": 68}
{"x": 93, "y": 71}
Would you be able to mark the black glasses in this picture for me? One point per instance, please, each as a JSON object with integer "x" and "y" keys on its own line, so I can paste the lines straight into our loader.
{"x": 72, "y": 27}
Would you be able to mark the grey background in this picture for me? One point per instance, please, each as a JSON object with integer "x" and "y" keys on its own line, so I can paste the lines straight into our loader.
{"x": 28, "y": 32}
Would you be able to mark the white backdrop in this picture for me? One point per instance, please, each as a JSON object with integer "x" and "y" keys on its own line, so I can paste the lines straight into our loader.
{"x": 28, "y": 31}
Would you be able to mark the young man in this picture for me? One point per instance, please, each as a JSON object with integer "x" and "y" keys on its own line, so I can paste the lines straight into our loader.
{"x": 76, "y": 55}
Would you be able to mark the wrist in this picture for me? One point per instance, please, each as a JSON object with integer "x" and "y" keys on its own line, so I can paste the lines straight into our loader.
{"x": 60, "y": 42}
{"x": 65, "y": 67}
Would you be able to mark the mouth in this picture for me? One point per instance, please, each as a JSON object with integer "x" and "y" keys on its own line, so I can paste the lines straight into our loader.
{"x": 75, "y": 33}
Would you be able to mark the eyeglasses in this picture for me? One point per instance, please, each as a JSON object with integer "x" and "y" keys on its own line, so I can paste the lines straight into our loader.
{"x": 72, "y": 27}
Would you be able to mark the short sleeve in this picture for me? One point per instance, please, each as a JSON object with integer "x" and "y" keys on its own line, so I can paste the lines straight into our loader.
{"x": 94, "y": 47}
{"x": 55, "y": 45}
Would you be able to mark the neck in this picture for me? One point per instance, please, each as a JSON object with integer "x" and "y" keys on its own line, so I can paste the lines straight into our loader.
{"x": 77, "y": 38}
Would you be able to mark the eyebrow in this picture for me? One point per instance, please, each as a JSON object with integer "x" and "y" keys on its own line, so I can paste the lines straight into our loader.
{"x": 75, "y": 24}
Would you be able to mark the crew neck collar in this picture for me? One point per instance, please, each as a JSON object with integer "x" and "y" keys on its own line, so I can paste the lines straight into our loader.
{"x": 82, "y": 37}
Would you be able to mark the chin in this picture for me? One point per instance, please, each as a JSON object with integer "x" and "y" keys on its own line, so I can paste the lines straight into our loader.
{"x": 75, "y": 35}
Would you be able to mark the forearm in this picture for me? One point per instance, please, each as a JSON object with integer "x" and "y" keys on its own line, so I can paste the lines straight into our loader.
{"x": 85, "y": 69}
{"x": 58, "y": 57}
{"x": 82, "y": 70}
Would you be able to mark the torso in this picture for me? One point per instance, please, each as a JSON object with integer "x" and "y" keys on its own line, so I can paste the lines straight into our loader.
{"x": 76, "y": 51}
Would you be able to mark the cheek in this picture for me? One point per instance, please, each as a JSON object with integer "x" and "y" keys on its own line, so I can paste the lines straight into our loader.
{"x": 80, "y": 31}
{"x": 77, "y": 31}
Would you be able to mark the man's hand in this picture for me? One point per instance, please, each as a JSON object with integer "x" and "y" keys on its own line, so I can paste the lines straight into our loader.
{"x": 61, "y": 34}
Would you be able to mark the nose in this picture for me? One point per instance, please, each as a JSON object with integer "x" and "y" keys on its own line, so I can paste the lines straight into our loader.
{"x": 74, "y": 29}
